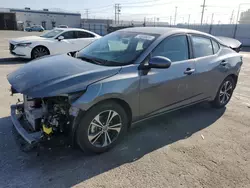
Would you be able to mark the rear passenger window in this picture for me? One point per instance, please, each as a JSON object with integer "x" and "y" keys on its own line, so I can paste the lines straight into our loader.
{"x": 68, "y": 35}
{"x": 202, "y": 46}
{"x": 81, "y": 34}
{"x": 175, "y": 48}
{"x": 216, "y": 46}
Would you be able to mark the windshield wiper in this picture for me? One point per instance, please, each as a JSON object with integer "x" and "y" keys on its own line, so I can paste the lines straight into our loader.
{"x": 100, "y": 61}
{"x": 90, "y": 60}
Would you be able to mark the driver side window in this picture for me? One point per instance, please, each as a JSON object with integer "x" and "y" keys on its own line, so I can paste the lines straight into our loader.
{"x": 174, "y": 48}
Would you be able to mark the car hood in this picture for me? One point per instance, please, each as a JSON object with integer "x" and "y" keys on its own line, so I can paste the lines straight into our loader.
{"x": 26, "y": 39}
{"x": 56, "y": 75}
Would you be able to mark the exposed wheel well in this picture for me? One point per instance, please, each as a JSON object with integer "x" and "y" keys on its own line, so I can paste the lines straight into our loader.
{"x": 37, "y": 47}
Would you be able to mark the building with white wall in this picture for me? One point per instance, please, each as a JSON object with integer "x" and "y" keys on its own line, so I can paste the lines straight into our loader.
{"x": 48, "y": 19}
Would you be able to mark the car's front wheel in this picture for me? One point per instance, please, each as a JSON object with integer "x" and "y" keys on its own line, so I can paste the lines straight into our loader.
{"x": 39, "y": 51}
{"x": 224, "y": 93}
{"x": 102, "y": 127}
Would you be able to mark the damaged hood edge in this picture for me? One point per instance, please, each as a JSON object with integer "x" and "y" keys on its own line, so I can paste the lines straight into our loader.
{"x": 57, "y": 75}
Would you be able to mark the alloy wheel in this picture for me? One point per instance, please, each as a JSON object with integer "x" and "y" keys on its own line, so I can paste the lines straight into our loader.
{"x": 39, "y": 52}
{"x": 226, "y": 92}
{"x": 104, "y": 128}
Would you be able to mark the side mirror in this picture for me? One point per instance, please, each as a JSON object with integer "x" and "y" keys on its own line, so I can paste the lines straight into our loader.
{"x": 159, "y": 62}
{"x": 60, "y": 38}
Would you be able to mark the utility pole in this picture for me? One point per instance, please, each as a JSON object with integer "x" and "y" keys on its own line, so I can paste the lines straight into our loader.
{"x": 115, "y": 14}
{"x": 118, "y": 11}
{"x": 212, "y": 20}
{"x": 188, "y": 19}
{"x": 154, "y": 21}
{"x": 175, "y": 15}
{"x": 231, "y": 18}
{"x": 87, "y": 13}
{"x": 203, "y": 9}
{"x": 170, "y": 21}
{"x": 207, "y": 20}
{"x": 144, "y": 24}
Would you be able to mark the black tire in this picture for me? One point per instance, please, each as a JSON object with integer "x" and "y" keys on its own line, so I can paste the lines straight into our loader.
{"x": 43, "y": 51}
{"x": 85, "y": 127}
{"x": 218, "y": 102}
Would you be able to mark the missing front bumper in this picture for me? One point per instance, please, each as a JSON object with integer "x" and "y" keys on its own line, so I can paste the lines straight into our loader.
{"x": 31, "y": 138}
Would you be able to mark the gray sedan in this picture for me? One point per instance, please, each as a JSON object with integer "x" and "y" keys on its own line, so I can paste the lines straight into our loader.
{"x": 125, "y": 77}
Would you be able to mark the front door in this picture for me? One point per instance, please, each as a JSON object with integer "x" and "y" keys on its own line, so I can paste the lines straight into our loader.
{"x": 166, "y": 89}
{"x": 68, "y": 44}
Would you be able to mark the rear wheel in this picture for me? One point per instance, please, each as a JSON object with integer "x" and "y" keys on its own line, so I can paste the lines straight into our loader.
{"x": 39, "y": 51}
{"x": 102, "y": 127}
{"x": 224, "y": 93}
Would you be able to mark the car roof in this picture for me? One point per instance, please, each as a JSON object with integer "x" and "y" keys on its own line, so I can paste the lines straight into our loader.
{"x": 164, "y": 30}
{"x": 76, "y": 29}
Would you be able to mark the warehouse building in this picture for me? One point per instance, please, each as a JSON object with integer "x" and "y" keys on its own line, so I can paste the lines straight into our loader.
{"x": 48, "y": 19}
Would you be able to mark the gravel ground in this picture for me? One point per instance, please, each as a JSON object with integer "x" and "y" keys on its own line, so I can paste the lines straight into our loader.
{"x": 194, "y": 147}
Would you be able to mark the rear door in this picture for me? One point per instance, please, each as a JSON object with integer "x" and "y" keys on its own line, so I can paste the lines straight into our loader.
{"x": 165, "y": 89}
{"x": 209, "y": 64}
{"x": 84, "y": 39}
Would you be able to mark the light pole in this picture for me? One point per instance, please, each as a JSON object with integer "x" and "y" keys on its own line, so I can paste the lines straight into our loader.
{"x": 175, "y": 15}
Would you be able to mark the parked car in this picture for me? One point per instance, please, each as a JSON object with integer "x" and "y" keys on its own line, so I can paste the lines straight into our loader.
{"x": 35, "y": 28}
{"x": 127, "y": 76}
{"x": 62, "y": 26}
{"x": 56, "y": 41}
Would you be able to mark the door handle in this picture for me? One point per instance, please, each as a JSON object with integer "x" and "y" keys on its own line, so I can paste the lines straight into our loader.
{"x": 189, "y": 71}
{"x": 223, "y": 62}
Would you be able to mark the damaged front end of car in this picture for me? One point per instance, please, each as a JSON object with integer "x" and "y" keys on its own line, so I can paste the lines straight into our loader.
{"x": 43, "y": 119}
{"x": 50, "y": 87}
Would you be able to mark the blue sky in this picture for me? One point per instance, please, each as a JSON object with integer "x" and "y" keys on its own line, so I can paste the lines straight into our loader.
{"x": 138, "y": 9}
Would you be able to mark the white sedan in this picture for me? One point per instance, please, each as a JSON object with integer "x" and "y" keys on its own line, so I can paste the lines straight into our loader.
{"x": 56, "y": 41}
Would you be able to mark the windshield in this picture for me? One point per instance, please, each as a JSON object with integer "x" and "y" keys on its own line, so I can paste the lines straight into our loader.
{"x": 52, "y": 33}
{"x": 118, "y": 48}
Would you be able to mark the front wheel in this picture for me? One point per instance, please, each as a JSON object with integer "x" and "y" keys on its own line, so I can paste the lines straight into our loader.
{"x": 39, "y": 51}
{"x": 102, "y": 127}
{"x": 224, "y": 93}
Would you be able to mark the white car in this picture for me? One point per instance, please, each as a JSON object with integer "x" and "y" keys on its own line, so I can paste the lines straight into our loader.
{"x": 56, "y": 41}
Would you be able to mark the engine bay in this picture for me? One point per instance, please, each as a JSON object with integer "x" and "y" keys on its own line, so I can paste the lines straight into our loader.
{"x": 48, "y": 115}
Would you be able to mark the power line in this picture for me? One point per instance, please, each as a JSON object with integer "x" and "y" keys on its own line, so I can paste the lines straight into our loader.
{"x": 140, "y": 2}
{"x": 148, "y": 5}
